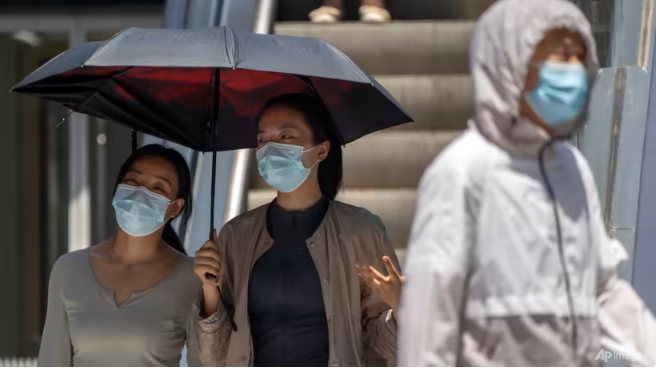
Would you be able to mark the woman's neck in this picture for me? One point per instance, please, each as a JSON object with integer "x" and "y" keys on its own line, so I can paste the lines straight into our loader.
{"x": 131, "y": 250}
{"x": 302, "y": 198}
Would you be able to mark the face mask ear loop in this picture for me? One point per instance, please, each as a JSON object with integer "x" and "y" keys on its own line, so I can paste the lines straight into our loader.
{"x": 317, "y": 161}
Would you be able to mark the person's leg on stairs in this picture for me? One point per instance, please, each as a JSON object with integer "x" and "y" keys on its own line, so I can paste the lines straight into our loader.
{"x": 374, "y": 11}
{"x": 330, "y": 12}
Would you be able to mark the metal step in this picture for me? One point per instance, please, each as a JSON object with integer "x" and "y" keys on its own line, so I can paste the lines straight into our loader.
{"x": 392, "y": 159}
{"x": 395, "y": 207}
{"x": 387, "y": 159}
{"x": 424, "y": 47}
{"x": 434, "y": 101}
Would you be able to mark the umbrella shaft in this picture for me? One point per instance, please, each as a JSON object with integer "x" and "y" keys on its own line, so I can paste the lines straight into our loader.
{"x": 213, "y": 192}
{"x": 215, "y": 118}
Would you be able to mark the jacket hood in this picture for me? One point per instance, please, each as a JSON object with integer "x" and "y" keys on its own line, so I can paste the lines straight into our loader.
{"x": 504, "y": 41}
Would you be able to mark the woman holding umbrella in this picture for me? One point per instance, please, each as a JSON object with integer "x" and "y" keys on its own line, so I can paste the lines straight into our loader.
{"x": 299, "y": 275}
{"x": 127, "y": 301}
{"x": 145, "y": 79}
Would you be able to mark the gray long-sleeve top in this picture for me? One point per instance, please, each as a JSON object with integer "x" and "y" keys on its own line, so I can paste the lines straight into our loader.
{"x": 84, "y": 327}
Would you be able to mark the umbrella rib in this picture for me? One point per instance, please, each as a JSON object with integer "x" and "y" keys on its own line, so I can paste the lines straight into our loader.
{"x": 354, "y": 65}
{"x": 231, "y": 57}
{"x": 66, "y": 117}
{"x": 96, "y": 90}
{"x": 308, "y": 82}
{"x": 102, "y": 47}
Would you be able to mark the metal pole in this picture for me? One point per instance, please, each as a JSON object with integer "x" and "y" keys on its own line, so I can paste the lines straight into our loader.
{"x": 175, "y": 13}
{"x": 79, "y": 202}
{"x": 102, "y": 182}
{"x": 239, "y": 176}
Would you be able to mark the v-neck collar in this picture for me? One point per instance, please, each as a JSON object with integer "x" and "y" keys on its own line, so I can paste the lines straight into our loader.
{"x": 111, "y": 294}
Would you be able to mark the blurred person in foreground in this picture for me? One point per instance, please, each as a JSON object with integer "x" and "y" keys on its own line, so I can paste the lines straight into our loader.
{"x": 128, "y": 300}
{"x": 300, "y": 274}
{"x": 371, "y": 11}
{"x": 509, "y": 260}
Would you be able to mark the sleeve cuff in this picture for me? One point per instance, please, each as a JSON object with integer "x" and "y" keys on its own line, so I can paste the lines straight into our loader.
{"x": 212, "y": 323}
{"x": 390, "y": 322}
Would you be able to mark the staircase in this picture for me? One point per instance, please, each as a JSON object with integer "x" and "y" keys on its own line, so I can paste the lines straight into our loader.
{"x": 424, "y": 65}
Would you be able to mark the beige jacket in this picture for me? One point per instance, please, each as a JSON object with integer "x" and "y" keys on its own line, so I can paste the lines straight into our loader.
{"x": 360, "y": 325}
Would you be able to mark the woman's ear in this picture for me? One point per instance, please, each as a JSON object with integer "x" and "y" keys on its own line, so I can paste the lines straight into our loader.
{"x": 324, "y": 149}
{"x": 176, "y": 207}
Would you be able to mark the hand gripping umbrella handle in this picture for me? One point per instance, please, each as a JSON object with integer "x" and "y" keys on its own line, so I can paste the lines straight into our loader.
{"x": 224, "y": 304}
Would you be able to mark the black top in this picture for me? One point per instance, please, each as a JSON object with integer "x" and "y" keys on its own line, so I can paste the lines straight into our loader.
{"x": 285, "y": 303}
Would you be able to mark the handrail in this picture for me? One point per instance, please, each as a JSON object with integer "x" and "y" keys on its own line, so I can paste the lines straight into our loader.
{"x": 265, "y": 16}
{"x": 241, "y": 166}
{"x": 646, "y": 34}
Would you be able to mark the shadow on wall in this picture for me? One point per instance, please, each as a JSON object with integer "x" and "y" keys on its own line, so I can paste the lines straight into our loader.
{"x": 297, "y": 10}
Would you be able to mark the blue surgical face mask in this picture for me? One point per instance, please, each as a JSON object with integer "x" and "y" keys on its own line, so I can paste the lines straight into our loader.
{"x": 561, "y": 92}
{"x": 139, "y": 212}
{"x": 281, "y": 166}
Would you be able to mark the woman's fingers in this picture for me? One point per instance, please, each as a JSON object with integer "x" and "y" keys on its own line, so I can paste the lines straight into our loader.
{"x": 210, "y": 244}
{"x": 371, "y": 272}
{"x": 386, "y": 287}
{"x": 208, "y": 262}
{"x": 364, "y": 274}
{"x": 367, "y": 277}
{"x": 377, "y": 275}
{"x": 370, "y": 278}
{"x": 208, "y": 253}
{"x": 391, "y": 270}
{"x": 204, "y": 269}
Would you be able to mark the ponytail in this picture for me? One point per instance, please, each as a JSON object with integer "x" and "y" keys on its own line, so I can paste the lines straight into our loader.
{"x": 171, "y": 238}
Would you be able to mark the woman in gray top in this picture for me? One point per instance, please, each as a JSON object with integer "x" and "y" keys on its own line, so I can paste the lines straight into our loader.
{"x": 127, "y": 301}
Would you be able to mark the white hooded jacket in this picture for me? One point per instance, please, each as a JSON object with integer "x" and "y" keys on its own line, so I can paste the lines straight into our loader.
{"x": 509, "y": 261}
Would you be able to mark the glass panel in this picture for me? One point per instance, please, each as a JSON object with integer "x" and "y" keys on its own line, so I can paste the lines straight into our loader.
{"x": 600, "y": 17}
{"x": 199, "y": 13}
{"x": 599, "y": 12}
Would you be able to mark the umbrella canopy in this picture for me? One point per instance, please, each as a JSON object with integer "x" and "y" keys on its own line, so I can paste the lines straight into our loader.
{"x": 167, "y": 83}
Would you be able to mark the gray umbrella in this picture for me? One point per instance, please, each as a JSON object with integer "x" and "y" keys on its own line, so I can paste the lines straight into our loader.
{"x": 170, "y": 82}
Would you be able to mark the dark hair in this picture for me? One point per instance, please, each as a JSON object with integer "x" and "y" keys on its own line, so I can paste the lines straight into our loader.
{"x": 184, "y": 186}
{"x": 323, "y": 129}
